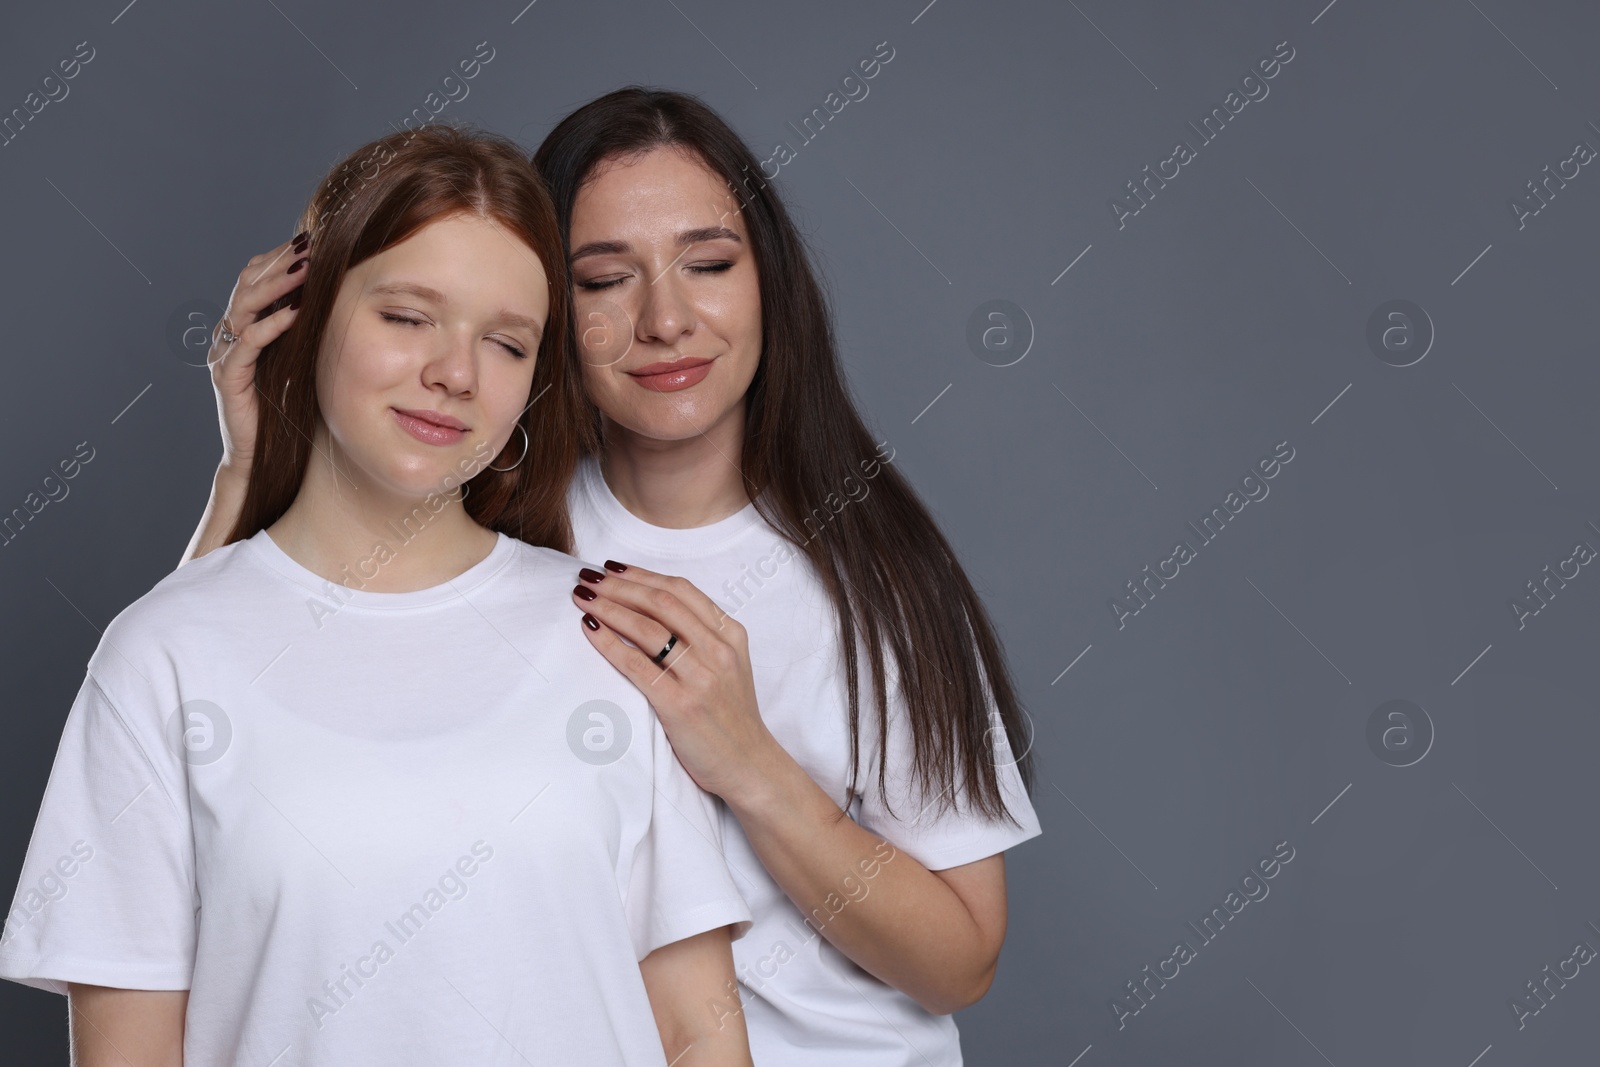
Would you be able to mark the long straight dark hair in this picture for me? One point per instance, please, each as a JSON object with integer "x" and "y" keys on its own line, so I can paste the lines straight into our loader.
{"x": 379, "y": 195}
{"x": 888, "y": 570}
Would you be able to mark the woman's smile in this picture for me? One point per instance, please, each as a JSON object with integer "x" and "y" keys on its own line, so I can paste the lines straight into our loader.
{"x": 669, "y": 376}
{"x": 430, "y": 427}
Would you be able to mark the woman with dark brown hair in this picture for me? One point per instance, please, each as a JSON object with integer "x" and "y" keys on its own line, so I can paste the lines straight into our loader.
{"x": 772, "y": 583}
{"x": 352, "y": 789}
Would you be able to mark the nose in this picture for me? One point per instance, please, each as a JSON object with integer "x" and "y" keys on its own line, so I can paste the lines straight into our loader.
{"x": 453, "y": 364}
{"x": 665, "y": 313}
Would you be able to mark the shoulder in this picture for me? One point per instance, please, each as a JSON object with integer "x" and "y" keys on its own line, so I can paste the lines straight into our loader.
{"x": 540, "y": 571}
{"x": 183, "y": 618}
{"x": 537, "y": 588}
{"x": 542, "y": 617}
{"x": 193, "y": 587}
{"x": 186, "y": 609}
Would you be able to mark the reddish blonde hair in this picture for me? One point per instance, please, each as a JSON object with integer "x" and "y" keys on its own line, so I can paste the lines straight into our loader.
{"x": 378, "y": 196}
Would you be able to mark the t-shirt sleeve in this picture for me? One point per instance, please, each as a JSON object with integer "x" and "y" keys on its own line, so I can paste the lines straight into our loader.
{"x": 680, "y": 884}
{"x": 919, "y": 822}
{"x": 107, "y": 893}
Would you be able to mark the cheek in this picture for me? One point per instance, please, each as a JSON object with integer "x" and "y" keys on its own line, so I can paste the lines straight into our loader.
{"x": 506, "y": 386}
{"x": 353, "y": 379}
{"x": 600, "y": 383}
{"x": 750, "y": 316}
{"x": 604, "y": 331}
{"x": 734, "y": 314}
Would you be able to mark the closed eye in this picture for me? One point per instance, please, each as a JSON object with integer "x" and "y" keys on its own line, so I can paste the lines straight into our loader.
{"x": 707, "y": 268}
{"x": 513, "y": 349}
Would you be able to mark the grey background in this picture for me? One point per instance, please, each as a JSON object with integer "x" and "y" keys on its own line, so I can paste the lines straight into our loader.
{"x": 1227, "y": 316}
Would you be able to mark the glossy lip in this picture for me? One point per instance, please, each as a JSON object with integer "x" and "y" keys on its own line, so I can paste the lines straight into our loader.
{"x": 668, "y": 367}
{"x": 428, "y": 431}
{"x": 437, "y": 418}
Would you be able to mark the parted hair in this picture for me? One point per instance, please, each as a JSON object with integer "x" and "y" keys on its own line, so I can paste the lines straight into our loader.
{"x": 891, "y": 575}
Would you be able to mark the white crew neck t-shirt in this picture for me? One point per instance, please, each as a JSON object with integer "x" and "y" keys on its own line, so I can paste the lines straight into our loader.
{"x": 361, "y": 828}
{"x": 806, "y": 1003}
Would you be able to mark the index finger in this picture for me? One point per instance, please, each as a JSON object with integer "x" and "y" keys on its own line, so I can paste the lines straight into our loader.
{"x": 706, "y": 611}
{"x": 258, "y": 265}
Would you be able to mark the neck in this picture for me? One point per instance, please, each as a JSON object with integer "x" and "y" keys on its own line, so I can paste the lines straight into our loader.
{"x": 678, "y": 484}
{"x": 353, "y": 533}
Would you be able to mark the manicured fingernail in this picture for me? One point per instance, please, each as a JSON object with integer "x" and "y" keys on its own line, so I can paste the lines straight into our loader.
{"x": 294, "y": 304}
{"x": 301, "y": 236}
{"x": 590, "y": 621}
{"x": 583, "y": 592}
{"x": 589, "y": 574}
{"x": 297, "y": 264}
{"x": 613, "y": 565}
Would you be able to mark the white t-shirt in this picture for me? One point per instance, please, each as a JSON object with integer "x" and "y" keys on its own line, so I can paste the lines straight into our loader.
{"x": 364, "y": 828}
{"x": 806, "y": 1003}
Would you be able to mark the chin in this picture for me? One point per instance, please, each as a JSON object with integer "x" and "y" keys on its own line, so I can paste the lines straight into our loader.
{"x": 419, "y": 481}
{"x": 674, "y": 425}
{"x": 674, "y": 412}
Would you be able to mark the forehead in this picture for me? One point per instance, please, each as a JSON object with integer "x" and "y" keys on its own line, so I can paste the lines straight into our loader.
{"x": 466, "y": 253}
{"x": 659, "y": 193}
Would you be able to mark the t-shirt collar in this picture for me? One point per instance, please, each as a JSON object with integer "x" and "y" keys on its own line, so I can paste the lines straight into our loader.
{"x": 629, "y": 527}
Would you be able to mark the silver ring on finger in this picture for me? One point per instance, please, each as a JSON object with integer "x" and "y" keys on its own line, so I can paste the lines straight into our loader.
{"x": 227, "y": 334}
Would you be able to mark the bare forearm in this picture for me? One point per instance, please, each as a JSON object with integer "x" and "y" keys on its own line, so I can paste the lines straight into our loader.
{"x": 713, "y": 1034}
{"x": 892, "y": 916}
{"x": 222, "y": 511}
{"x": 696, "y": 1003}
{"x": 118, "y": 1027}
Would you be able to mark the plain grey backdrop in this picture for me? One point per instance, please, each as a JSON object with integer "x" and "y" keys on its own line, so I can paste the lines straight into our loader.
{"x": 1385, "y": 266}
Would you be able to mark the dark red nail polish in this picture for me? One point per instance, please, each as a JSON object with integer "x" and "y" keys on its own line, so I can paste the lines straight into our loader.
{"x": 589, "y": 574}
{"x": 613, "y": 565}
{"x": 301, "y": 245}
{"x": 583, "y": 592}
{"x": 294, "y": 304}
{"x": 296, "y": 265}
{"x": 590, "y": 621}
{"x": 301, "y": 236}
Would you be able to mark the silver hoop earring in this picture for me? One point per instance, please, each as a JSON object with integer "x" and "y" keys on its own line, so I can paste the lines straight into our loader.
{"x": 520, "y": 458}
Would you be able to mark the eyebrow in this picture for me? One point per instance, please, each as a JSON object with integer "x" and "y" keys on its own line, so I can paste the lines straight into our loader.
{"x": 511, "y": 318}
{"x": 687, "y": 237}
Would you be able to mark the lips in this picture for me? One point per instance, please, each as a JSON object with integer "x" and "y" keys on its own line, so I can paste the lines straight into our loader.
{"x": 437, "y": 418}
{"x": 670, "y": 377}
{"x": 668, "y": 367}
{"x": 430, "y": 427}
